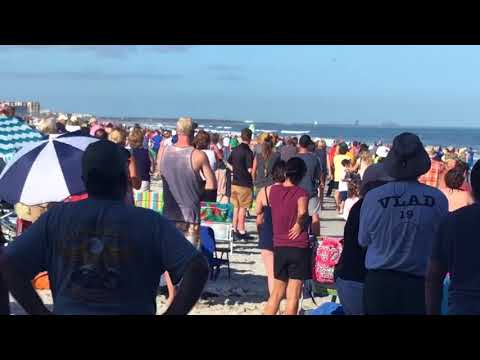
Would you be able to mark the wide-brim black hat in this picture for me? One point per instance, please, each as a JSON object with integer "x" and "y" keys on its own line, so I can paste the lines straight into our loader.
{"x": 407, "y": 158}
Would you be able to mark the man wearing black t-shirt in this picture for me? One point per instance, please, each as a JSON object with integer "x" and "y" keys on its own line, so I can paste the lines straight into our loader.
{"x": 241, "y": 159}
{"x": 311, "y": 181}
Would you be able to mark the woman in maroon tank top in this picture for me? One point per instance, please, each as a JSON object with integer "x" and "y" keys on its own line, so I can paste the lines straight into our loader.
{"x": 291, "y": 259}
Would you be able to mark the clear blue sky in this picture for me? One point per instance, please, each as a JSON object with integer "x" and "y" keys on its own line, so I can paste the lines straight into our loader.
{"x": 409, "y": 85}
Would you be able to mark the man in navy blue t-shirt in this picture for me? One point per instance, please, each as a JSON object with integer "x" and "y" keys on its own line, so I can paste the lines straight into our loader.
{"x": 103, "y": 256}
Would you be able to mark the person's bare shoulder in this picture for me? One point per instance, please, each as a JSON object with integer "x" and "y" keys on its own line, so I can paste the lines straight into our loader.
{"x": 199, "y": 158}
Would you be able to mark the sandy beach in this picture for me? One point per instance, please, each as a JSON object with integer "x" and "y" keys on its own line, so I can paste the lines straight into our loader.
{"x": 246, "y": 292}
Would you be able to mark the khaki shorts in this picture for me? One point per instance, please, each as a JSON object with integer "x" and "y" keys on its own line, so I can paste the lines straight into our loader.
{"x": 242, "y": 197}
{"x": 190, "y": 231}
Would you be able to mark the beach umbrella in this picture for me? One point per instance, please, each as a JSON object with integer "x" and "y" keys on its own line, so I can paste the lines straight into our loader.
{"x": 77, "y": 133}
{"x": 48, "y": 171}
{"x": 14, "y": 134}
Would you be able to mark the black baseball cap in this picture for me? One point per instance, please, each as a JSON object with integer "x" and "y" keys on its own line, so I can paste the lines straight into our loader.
{"x": 305, "y": 141}
{"x": 104, "y": 159}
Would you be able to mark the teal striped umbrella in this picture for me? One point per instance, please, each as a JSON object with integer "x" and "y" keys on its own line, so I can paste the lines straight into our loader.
{"x": 15, "y": 134}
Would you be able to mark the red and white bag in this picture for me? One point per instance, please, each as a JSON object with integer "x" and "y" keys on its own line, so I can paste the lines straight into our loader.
{"x": 326, "y": 256}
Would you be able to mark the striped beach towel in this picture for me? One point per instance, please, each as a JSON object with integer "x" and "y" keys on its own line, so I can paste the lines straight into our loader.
{"x": 149, "y": 200}
{"x": 15, "y": 134}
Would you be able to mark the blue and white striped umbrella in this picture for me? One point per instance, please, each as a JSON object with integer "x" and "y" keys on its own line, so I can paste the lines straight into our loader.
{"x": 14, "y": 134}
{"x": 48, "y": 171}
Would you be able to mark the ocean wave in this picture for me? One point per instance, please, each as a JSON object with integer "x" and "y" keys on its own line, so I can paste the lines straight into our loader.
{"x": 295, "y": 131}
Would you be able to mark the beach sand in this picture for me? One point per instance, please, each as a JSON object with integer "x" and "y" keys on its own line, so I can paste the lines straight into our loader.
{"x": 246, "y": 292}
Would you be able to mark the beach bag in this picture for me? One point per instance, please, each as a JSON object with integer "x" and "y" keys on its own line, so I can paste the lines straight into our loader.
{"x": 326, "y": 255}
{"x": 216, "y": 212}
{"x": 41, "y": 282}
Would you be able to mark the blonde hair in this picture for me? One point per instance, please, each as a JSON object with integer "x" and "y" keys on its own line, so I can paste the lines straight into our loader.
{"x": 367, "y": 157}
{"x": 135, "y": 139}
{"x": 262, "y": 137}
{"x": 117, "y": 136}
{"x": 185, "y": 126}
{"x": 47, "y": 126}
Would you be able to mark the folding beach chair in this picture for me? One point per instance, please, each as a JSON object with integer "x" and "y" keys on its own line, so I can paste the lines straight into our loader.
{"x": 210, "y": 250}
{"x": 149, "y": 200}
{"x": 219, "y": 217}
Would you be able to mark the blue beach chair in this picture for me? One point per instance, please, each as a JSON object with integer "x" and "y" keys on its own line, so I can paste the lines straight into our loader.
{"x": 209, "y": 248}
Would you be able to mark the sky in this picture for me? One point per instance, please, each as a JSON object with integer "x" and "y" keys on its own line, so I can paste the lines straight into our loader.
{"x": 407, "y": 85}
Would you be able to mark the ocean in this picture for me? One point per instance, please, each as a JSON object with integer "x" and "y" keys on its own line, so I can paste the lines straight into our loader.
{"x": 458, "y": 137}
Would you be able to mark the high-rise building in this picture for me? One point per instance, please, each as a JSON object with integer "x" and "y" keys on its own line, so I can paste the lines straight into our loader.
{"x": 33, "y": 108}
{"x": 25, "y": 108}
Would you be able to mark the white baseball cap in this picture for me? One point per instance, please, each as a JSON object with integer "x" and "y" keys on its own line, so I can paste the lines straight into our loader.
{"x": 382, "y": 151}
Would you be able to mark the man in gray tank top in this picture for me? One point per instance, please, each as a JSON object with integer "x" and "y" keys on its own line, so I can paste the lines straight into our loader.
{"x": 179, "y": 166}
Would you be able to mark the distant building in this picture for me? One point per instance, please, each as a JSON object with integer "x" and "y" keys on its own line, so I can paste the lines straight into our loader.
{"x": 33, "y": 108}
{"x": 25, "y": 108}
{"x": 82, "y": 115}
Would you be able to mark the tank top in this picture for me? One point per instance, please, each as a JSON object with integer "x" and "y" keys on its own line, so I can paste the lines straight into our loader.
{"x": 265, "y": 231}
{"x": 182, "y": 186}
{"x": 284, "y": 204}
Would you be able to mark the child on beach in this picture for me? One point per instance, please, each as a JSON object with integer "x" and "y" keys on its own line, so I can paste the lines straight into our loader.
{"x": 353, "y": 196}
{"x": 345, "y": 176}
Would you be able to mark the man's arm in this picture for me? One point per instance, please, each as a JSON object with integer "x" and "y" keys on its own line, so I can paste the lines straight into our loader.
{"x": 329, "y": 166}
{"x": 185, "y": 265}
{"x": 254, "y": 168}
{"x": 135, "y": 179}
{"x": 160, "y": 152}
{"x": 249, "y": 161}
{"x": 318, "y": 172}
{"x": 434, "y": 287}
{"x": 302, "y": 217}
{"x": 191, "y": 286}
{"x": 21, "y": 288}
{"x": 321, "y": 170}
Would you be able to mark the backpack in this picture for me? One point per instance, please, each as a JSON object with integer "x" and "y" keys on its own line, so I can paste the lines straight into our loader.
{"x": 326, "y": 256}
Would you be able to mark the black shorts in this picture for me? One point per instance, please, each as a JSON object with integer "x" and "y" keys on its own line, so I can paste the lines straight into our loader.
{"x": 334, "y": 185}
{"x": 343, "y": 195}
{"x": 292, "y": 263}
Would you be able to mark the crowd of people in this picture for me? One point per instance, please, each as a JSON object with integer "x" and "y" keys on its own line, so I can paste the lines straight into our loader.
{"x": 409, "y": 212}
{"x": 398, "y": 242}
